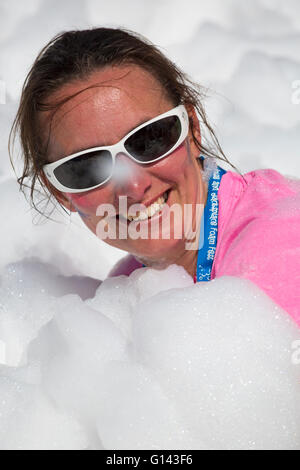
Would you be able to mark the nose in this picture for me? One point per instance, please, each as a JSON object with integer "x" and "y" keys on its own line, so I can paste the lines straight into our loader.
{"x": 130, "y": 179}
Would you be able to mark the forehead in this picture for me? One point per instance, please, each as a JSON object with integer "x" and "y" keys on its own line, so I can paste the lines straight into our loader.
{"x": 107, "y": 105}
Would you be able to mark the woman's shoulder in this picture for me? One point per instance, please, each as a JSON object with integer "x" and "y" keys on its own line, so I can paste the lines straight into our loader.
{"x": 258, "y": 194}
{"x": 260, "y": 182}
{"x": 255, "y": 199}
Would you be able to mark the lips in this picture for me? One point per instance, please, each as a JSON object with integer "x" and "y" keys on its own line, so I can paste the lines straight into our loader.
{"x": 151, "y": 201}
{"x": 153, "y": 206}
{"x": 149, "y": 211}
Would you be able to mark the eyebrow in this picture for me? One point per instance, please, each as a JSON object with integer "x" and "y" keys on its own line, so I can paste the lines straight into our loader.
{"x": 81, "y": 149}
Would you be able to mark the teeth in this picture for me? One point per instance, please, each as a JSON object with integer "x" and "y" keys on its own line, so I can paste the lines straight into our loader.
{"x": 155, "y": 207}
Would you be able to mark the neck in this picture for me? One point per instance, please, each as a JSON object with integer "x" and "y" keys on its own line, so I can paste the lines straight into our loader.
{"x": 189, "y": 261}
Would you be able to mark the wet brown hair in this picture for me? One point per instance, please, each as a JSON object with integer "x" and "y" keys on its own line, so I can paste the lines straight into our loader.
{"x": 75, "y": 55}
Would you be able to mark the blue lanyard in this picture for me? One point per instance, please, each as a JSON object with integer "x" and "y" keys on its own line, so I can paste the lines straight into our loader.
{"x": 209, "y": 228}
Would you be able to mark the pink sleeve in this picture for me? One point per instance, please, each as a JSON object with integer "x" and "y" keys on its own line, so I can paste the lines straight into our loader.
{"x": 267, "y": 252}
{"x": 125, "y": 266}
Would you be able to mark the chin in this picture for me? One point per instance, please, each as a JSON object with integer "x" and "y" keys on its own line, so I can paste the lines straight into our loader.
{"x": 158, "y": 251}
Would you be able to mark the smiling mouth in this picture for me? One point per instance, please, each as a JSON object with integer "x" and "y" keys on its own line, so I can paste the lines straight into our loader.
{"x": 149, "y": 211}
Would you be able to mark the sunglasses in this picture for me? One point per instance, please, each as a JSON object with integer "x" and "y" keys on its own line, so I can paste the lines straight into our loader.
{"x": 147, "y": 143}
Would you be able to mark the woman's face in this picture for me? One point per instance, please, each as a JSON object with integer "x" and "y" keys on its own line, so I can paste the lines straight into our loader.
{"x": 125, "y": 97}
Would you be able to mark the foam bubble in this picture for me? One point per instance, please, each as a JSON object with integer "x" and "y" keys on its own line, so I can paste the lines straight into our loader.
{"x": 152, "y": 361}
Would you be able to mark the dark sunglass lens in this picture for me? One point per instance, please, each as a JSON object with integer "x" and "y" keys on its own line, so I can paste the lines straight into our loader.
{"x": 154, "y": 140}
{"x": 85, "y": 171}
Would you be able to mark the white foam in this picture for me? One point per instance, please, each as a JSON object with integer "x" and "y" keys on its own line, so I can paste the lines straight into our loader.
{"x": 29, "y": 421}
{"x": 152, "y": 361}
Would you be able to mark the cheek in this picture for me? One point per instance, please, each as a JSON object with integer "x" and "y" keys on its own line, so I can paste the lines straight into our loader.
{"x": 175, "y": 165}
{"x": 89, "y": 201}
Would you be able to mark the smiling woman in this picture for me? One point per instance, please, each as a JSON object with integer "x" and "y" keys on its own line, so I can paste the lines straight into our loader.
{"x": 113, "y": 130}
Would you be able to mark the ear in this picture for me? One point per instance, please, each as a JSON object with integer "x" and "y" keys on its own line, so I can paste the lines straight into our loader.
{"x": 194, "y": 125}
{"x": 61, "y": 197}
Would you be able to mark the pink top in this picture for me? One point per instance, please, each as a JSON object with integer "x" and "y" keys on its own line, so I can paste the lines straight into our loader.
{"x": 258, "y": 235}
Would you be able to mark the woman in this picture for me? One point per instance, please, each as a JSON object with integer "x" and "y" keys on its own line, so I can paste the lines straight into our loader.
{"x": 106, "y": 119}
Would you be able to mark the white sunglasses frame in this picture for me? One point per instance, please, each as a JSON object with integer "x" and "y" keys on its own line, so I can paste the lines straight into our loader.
{"x": 179, "y": 111}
